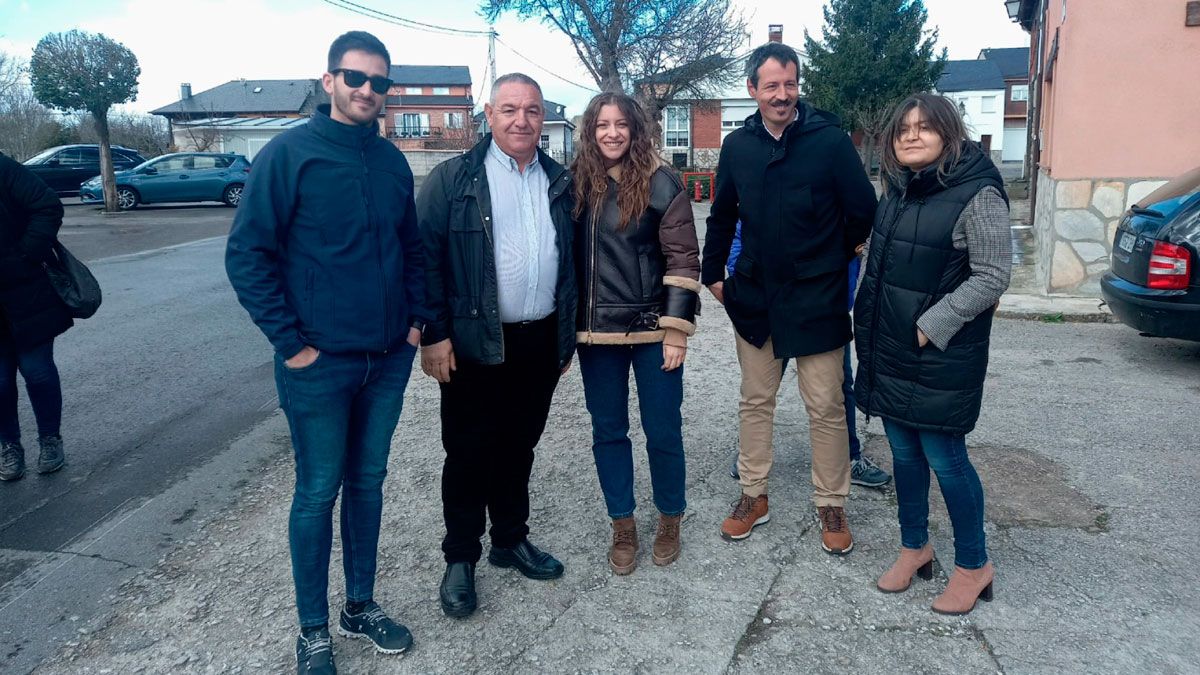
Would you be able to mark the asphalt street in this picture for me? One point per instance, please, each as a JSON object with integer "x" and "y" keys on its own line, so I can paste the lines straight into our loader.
{"x": 166, "y": 374}
{"x": 162, "y": 546}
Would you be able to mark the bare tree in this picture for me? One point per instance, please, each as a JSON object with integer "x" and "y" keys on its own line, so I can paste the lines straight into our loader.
{"x": 147, "y": 134}
{"x": 660, "y": 50}
{"x": 26, "y": 126}
{"x": 12, "y": 74}
{"x": 200, "y": 137}
{"x": 86, "y": 71}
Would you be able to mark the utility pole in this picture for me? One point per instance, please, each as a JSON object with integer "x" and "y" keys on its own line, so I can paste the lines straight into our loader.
{"x": 492, "y": 54}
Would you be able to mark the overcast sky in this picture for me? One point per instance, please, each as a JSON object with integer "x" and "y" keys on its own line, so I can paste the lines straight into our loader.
{"x": 209, "y": 42}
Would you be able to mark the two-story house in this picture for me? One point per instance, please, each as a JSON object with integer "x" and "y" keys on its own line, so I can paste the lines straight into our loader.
{"x": 1013, "y": 63}
{"x": 429, "y": 107}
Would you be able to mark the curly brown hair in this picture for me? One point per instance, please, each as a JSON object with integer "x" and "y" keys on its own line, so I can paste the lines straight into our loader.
{"x": 638, "y": 165}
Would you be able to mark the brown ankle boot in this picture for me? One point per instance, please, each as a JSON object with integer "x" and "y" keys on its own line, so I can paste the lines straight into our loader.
{"x": 622, "y": 557}
{"x": 965, "y": 587}
{"x": 666, "y": 540}
{"x": 917, "y": 561}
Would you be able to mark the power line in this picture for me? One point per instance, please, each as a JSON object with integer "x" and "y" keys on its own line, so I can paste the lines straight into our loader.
{"x": 369, "y": 12}
{"x": 545, "y": 70}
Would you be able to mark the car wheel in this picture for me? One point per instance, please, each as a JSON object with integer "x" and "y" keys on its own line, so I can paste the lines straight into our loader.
{"x": 233, "y": 195}
{"x": 127, "y": 198}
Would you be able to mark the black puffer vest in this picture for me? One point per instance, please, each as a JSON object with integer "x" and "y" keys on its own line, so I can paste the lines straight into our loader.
{"x": 912, "y": 264}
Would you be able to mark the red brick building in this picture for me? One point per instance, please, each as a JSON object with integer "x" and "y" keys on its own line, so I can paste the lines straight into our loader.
{"x": 429, "y": 107}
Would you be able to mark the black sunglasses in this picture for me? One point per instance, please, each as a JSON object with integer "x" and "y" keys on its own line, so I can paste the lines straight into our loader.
{"x": 357, "y": 78}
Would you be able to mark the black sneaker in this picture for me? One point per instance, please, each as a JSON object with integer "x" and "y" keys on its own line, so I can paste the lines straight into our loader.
{"x": 864, "y": 472}
{"x": 314, "y": 654}
{"x": 389, "y": 637}
{"x": 51, "y": 457}
{"x": 12, "y": 461}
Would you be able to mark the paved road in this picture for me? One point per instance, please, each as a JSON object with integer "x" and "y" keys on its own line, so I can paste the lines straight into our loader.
{"x": 1087, "y": 450}
{"x": 157, "y": 383}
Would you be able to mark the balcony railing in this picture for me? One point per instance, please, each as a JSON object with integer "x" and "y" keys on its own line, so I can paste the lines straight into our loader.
{"x": 414, "y": 132}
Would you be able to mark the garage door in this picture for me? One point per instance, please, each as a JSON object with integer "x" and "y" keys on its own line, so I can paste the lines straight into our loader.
{"x": 1014, "y": 144}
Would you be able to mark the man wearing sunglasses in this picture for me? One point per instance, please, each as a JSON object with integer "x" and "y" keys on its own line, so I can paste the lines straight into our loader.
{"x": 326, "y": 256}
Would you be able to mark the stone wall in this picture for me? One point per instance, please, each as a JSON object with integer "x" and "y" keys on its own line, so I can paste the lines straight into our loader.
{"x": 1074, "y": 225}
{"x": 423, "y": 161}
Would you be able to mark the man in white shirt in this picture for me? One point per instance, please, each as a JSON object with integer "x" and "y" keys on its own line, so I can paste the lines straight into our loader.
{"x": 496, "y": 223}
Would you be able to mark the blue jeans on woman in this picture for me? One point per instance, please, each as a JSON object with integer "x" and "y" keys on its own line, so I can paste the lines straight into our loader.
{"x": 914, "y": 453}
{"x": 605, "y": 370}
{"x": 342, "y": 411}
{"x": 42, "y": 383}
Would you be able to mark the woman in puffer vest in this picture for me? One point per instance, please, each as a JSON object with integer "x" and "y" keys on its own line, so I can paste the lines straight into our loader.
{"x": 639, "y": 268}
{"x": 938, "y": 260}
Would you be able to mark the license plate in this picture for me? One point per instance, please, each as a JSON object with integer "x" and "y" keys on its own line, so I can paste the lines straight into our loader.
{"x": 1127, "y": 241}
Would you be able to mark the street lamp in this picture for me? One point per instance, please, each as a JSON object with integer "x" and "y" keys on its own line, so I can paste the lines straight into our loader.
{"x": 1013, "y": 7}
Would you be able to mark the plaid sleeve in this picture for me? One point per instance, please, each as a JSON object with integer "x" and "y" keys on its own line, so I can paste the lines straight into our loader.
{"x": 983, "y": 230}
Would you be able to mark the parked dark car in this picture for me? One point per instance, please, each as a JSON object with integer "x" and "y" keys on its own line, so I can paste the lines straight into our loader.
{"x": 177, "y": 177}
{"x": 66, "y": 166}
{"x": 1153, "y": 285}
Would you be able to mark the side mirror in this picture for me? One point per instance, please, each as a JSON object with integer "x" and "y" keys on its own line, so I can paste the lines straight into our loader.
{"x": 149, "y": 171}
{"x": 53, "y": 162}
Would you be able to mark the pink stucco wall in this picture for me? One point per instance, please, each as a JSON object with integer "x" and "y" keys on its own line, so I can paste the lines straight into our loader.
{"x": 1125, "y": 98}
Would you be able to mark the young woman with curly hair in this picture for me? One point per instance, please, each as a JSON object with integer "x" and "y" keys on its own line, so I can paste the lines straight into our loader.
{"x": 639, "y": 267}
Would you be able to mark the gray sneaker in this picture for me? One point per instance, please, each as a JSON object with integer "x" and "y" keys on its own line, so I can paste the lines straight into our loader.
{"x": 51, "y": 458}
{"x": 864, "y": 472}
{"x": 733, "y": 466}
{"x": 12, "y": 461}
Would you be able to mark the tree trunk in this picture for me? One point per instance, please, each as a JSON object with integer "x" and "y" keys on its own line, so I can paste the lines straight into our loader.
{"x": 868, "y": 151}
{"x": 107, "y": 177}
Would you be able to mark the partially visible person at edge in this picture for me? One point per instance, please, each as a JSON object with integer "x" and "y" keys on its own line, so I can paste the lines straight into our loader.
{"x": 862, "y": 470}
{"x": 795, "y": 181}
{"x": 938, "y": 260}
{"x": 638, "y": 265}
{"x": 338, "y": 286}
{"x": 31, "y": 316}
{"x": 496, "y": 223}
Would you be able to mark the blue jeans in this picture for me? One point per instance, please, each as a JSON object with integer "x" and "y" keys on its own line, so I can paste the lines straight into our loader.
{"x": 914, "y": 453}
{"x": 342, "y": 411}
{"x": 41, "y": 383}
{"x": 848, "y": 395}
{"x": 605, "y": 370}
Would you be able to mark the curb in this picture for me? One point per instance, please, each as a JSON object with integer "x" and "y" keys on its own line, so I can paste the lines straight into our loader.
{"x": 1054, "y": 309}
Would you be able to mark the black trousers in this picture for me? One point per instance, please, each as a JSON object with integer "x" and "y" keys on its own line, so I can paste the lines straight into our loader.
{"x": 492, "y": 417}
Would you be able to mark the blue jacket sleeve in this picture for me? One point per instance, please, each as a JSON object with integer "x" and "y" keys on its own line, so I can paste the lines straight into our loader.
{"x": 414, "y": 261}
{"x": 735, "y": 249}
{"x": 252, "y": 253}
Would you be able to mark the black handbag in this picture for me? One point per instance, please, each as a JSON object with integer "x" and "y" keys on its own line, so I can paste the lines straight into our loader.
{"x": 73, "y": 282}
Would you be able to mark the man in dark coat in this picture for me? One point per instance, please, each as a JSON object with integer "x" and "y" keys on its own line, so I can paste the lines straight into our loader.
{"x": 794, "y": 179}
{"x": 31, "y": 316}
{"x": 497, "y": 228}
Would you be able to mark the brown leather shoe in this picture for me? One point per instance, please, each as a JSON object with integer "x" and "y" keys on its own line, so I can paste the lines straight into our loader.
{"x": 748, "y": 513}
{"x": 965, "y": 587}
{"x": 912, "y": 561}
{"x": 622, "y": 557}
{"x": 835, "y": 530}
{"x": 666, "y": 540}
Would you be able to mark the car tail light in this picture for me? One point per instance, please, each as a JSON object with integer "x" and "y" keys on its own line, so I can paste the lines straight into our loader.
{"x": 1170, "y": 267}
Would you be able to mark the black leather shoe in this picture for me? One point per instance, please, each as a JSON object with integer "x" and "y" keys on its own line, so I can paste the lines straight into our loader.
{"x": 530, "y": 561}
{"x": 458, "y": 590}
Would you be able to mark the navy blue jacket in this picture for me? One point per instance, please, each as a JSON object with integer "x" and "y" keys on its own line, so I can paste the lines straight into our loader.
{"x": 325, "y": 249}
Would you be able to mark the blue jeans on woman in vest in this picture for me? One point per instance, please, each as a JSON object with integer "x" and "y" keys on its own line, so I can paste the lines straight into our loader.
{"x": 914, "y": 453}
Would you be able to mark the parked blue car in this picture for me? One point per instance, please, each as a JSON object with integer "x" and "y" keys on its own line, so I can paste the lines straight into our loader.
{"x": 1153, "y": 285}
{"x": 177, "y": 177}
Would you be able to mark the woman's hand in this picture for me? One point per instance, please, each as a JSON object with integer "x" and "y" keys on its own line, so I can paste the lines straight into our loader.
{"x": 922, "y": 338}
{"x": 673, "y": 356}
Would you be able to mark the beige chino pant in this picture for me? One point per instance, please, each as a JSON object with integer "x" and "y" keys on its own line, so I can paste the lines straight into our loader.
{"x": 820, "y": 377}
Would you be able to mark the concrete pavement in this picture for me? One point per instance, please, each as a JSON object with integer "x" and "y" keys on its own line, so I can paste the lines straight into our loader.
{"x": 1087, "y": 452}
